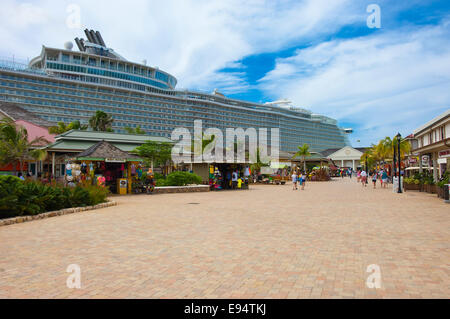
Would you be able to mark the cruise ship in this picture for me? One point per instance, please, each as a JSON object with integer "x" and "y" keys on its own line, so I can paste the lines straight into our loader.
{"x": 67, "y": 85}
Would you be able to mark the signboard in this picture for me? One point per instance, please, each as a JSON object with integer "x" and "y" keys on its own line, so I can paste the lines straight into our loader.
{"x": 112, "y": 160}
{"x": 425, "y": 160}
{"x": 445, "y": 153}
{"x": 413, "y": 160}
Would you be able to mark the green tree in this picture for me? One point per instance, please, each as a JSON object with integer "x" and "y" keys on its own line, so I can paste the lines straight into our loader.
{"x": 156, "y": 153}
{"x": 405, "y": 147}
{"x": 369, "y": 158}
{"x": 15, "y": 147}
{"x": 136, "y": 130}
{"x": 303, "y": 153}
{"x": 62, "y": 127}
{"x": 101, "y": 121}
{"x": 259, "y": 164}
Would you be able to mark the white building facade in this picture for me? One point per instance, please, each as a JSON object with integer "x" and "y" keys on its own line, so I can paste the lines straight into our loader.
{"x": 347, "y": 156}
{"x": 434, "y": 144}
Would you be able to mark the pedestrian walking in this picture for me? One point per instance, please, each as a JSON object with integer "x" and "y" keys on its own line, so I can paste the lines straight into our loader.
{"x": 374, "y": 179}
{"x": 294, "y": 181}
{"x": 363, "y": 178}
{"x": 384, "y": 179}
{"x": 303, "y": 177}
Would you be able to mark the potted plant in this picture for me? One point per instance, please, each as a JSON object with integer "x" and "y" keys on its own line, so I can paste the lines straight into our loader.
{"x": 445, "y": 179}
{"x": 411, "y": 184}
{"x": 426, "y": 186}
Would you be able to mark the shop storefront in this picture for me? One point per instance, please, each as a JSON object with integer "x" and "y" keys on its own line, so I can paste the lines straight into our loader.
{"x": 105, "y": 165}
{"x": 223, "y": 176}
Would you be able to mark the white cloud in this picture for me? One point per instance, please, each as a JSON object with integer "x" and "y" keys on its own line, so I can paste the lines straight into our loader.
{"x": 386, "y": 82}
{"x": 192, "y": 39}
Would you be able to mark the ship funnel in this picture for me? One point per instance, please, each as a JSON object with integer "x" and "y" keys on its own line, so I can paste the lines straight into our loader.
{"x": 100, "y": 39}
{"x": 89, "y": 36}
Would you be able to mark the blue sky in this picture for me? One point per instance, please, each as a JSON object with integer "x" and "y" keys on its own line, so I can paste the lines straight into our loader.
{"x": 319, "y": 54}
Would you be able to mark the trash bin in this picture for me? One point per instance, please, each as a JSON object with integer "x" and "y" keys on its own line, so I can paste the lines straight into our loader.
{"x": 395, "y": 184}
{"x": 447, "y": 193}
{"x": 122, "y": 186}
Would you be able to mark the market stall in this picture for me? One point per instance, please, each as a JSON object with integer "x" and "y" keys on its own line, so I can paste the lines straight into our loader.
{"x": 228, "y": 176}
{"x": 106, "y": 165}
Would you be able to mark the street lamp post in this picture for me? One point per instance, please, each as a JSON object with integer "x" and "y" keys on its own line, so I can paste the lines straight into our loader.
{"x": 367, "y": 172}
{"x": 394, "y": 165}
{"x": 399, "y": 138}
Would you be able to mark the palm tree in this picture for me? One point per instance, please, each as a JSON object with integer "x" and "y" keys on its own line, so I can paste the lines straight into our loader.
{"x": 15, "y": 146}
{"x": 101, "y": 122}
{"x": 62, "y": 127}
{"x": 76, "y": 125}
{"x": 405, "y": 146}
{"x": 136, "y": 130}
{"x": 59, "y": 129}
{"x": 387, "y": 147}
{"x": 303, "y": 152}
{"x": 368, "y": 158}
{"x": 256, "y": 167}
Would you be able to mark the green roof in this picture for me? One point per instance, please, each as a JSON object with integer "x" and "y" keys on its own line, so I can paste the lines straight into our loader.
{"x": 111, "y": 137}
{"x": 78, "y": 141}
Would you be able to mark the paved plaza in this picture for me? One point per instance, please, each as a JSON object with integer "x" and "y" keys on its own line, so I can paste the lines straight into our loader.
{"x": 268, "y": 242}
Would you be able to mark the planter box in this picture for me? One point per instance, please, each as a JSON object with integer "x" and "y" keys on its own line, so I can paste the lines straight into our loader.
{"x": 412, "y": 187}
{"x": 181, "y": 189}
{"x": 433, "y": 189}
{"x": 430, "y": 189}
{"x": 440, "y": 191}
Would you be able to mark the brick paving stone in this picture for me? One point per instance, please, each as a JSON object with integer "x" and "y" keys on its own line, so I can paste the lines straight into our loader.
{"x": 268, "y": 242}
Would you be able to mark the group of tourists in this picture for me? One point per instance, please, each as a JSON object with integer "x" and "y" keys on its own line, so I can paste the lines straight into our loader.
{"x": 45, "y": 178}
{"x": 375, "y": 175}
{"x": 345, "y": 172}
{"x": 299, "y": 178}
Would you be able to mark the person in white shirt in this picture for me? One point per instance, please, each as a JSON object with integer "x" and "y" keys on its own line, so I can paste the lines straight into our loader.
{"x": 363, "y": 178}
{"x": 294, "y": 181}
{"x": 234, "y": 179}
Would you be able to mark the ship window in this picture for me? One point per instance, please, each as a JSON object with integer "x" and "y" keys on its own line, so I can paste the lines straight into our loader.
{"x": 65, "y": 57}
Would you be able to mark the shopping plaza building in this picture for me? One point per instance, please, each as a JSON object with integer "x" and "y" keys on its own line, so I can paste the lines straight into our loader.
{"x": 67, "y": 85}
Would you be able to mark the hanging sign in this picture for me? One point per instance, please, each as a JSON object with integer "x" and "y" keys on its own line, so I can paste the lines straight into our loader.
{"x": 112, "y": 160}
{"x": 445, "y": 153}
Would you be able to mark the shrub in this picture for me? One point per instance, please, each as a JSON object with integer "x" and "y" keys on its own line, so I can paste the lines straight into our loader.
{"x": 9, "y": 197}
{"x": 79, "y": 197}
{"x": 97, "y": 194}
{"x": 161, "y": 182}
{"x": 19, "y": 197}
{"x": 182, "y": 179}
{"x": 34, "y": 196}
{"x": 445, "y": 179}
